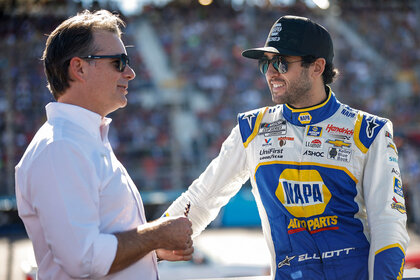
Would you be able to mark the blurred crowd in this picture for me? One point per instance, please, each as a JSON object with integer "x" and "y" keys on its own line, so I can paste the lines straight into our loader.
{"x": 159, "y": 141}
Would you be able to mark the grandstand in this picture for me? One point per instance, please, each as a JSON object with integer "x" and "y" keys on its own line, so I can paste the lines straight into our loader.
{"x": 192, "y": 81}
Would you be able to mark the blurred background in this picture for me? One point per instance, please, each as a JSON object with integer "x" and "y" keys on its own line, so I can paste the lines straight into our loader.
{"x": 192, "y": 82}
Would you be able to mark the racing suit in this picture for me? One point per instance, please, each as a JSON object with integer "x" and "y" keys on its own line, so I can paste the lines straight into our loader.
{"x": 327, "y": 185}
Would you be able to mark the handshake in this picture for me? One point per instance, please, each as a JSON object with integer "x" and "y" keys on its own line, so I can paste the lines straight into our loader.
{"x": 179, "y": 243}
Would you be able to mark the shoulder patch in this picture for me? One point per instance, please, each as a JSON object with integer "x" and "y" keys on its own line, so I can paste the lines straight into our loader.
{"x": 249, "y": 123}
{"x": 366, "y": 129}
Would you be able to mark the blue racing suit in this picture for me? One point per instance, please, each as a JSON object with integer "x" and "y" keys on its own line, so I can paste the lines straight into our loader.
{"x": 327, "y": 185}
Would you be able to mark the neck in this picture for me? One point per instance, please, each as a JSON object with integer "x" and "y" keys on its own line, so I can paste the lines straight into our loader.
{"x": 316, "y": 96}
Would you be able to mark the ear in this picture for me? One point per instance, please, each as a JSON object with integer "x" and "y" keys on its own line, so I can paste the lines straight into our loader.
{"x": 77, "y": 69}
{"x": 319, "y": 66}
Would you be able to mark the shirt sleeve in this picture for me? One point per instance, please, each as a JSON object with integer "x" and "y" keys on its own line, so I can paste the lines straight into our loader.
{"x": 221, "y": 180}
{"x": 385, "y": 208}
{"x": 64, "y": 190}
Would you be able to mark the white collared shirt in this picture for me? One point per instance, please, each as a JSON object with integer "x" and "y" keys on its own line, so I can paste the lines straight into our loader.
{"x": 73, "y": 193}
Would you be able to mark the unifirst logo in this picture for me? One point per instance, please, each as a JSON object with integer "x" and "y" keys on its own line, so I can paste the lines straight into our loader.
{"x": 303, "y": 192}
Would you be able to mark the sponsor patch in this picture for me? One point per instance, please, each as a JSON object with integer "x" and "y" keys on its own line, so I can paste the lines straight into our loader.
{"x": 392, "y": 146}
{"x": 392, "y": 159}
{"x": 396, "y": 172}
{"x": 271, "y": 154}
{"x": 267, "y": 142}
{"x": 274, "y": 36}
{"x": 313, "y": 225}
{"x": 348, "y": 113}
{"x": 249, "y": 119}
{"x": 305, "y": 118}
{"x": 275, "y": 128}
{"x": 398, "y": 187}
{"x": 339, "y": 143}
{"x": 371, "y": 126}
{"x": 398, "y": 206}
{"x": 315, "y": 131}
{"x": 339, "y": 154}
{"x": 332, "y": 129}
{"x": 316, "y": 144}
{"x": 313, "y": 153}
{"x": 286, "y": 141}
{"x": 303, "y": 192}
{"x": 286, "y": 261}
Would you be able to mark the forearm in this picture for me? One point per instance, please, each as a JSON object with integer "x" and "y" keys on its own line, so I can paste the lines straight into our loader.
{"x": 167, "y": 233}
{"x": 134, "y": 245}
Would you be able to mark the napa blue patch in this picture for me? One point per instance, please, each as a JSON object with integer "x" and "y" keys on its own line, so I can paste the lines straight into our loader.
{"x": 398, "y": 187}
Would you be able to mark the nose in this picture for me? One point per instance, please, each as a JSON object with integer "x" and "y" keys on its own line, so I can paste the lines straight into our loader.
{"x": 271, "y": 70}
{"x": 129, "y": 73}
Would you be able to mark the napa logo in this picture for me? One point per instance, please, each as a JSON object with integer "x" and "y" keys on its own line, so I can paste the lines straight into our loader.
{"x": 305, "y": 118}
{"x": 398, "y": 187}
{"x": 303, "y": 192}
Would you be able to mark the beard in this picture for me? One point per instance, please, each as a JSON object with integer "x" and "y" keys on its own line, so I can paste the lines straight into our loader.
{"x": 298, "y": 90}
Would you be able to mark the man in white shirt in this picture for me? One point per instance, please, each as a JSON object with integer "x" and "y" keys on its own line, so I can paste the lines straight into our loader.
{"x": 80, "y": 207}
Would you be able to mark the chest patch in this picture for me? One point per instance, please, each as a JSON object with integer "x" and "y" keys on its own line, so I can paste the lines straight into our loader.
{"x": 303, "y": 192}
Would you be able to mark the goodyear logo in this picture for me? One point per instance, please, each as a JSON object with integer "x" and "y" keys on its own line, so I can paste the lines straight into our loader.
{"x": 305, "y": 118}
{"x": 303, "y": 192}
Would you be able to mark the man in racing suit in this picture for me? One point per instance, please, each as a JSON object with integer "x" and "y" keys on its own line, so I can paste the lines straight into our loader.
{"x": 325, "y": 176}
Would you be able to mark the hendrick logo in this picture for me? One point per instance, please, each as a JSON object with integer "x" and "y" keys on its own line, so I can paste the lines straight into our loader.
{"x": 339, "y": 130}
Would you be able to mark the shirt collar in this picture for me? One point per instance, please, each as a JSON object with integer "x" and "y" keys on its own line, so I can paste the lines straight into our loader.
{"x": 314, "y": 114}
{"x": 88, "y": 120}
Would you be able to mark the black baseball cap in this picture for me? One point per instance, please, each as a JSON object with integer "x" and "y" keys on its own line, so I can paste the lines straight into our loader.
{"x": 297, "y": 36}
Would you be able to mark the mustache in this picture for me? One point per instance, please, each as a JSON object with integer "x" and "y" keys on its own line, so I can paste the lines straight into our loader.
{"x": 276, "y": 79}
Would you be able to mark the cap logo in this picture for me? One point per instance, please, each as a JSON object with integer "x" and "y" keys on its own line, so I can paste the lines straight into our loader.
{"x": 274, "y": 36}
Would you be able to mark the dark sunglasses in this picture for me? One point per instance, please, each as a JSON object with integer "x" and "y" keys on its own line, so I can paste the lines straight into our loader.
{"x": 124, "y": 60}
{"x": 279, "y": 63}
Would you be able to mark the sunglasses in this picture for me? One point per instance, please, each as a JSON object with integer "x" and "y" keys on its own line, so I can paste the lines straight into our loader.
{"x": 123, "y": 60}
{"x": 279, "y": 63}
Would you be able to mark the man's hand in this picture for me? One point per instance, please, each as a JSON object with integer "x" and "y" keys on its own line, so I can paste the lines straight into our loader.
{"x": 175, "y": 233}
{"x": 175, "y": 255}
